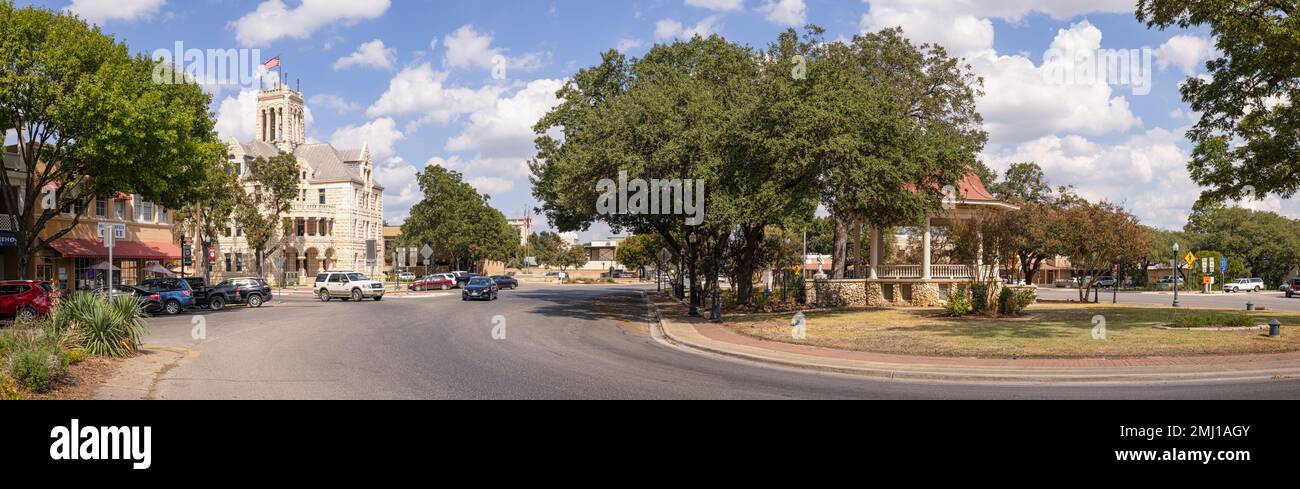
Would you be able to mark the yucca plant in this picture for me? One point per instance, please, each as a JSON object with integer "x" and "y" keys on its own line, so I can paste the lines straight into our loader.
{"x": 105, "y": 327}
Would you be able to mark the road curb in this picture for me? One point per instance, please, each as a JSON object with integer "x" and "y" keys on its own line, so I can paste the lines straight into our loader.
{"x": 662, "y": 331}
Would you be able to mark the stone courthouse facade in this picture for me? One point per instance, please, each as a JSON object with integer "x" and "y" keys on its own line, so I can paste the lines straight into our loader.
{"x": 339, "y": 211}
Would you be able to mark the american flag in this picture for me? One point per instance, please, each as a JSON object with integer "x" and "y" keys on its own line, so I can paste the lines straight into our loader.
{"x": 272, "y": 63}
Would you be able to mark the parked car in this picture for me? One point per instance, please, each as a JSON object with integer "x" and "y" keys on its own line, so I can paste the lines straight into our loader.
{"x": 505, "y": 282}
{"x": 557, "y": 276}
{"x": 1244, "y": 285}
{"x": 480, "y": 288}
{"x": 149, "y": 302}
{"x": 1104, "y": 282}
{"x": 200, "y": 289}
{"x": 244, "y": 290}
{"x": 173, "y": 293}
{"x": 1170, "y": 279}
{"x": 436, "y": 281}
{"x": 25, "y": 300}
{"x": 1293, "y": 287}
{"x": 347, "y": 285}
{"x": 406, "y": 276}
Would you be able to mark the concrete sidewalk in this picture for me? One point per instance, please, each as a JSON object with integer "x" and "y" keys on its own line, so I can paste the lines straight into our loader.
{"x": 697, "y": 334}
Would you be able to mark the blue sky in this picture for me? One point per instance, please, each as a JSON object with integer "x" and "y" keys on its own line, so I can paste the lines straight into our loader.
{"x": 414, "y": 78}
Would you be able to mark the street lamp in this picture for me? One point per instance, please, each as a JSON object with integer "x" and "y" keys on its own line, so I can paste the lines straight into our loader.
{"x": 1177, "y": 275}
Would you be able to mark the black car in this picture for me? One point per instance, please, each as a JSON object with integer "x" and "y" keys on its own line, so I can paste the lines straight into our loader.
{"x": 149, "y": 302}
{"x": 479, "y": 288}
{"x": 245, "y": 290}
{"x": 505, "y": 282}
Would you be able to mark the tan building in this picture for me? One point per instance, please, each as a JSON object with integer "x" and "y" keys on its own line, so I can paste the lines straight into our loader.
{"x": 71, "y": 262}
{"x": 338, "y": 216}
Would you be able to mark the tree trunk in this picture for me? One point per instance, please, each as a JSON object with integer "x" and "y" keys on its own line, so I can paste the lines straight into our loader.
{"x": 838, "y": 259}
{"x": 745, "y": 264}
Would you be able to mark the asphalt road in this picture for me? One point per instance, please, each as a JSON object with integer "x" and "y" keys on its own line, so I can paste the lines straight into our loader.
{"x": 1271, "y": 299}
{"x": 560, "y": 342}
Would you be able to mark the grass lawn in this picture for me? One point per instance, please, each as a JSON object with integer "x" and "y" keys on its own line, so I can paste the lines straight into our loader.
{"x": 1045, "y": 330}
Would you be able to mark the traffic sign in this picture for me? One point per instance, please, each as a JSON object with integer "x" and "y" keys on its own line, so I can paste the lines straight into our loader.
{"x": 426, "y": 252}
{"x": 1223, "y": 265}
{"x": 664, "y": 255}
{"x": 1207, "y": 280}
{"x": 1190, "y": 258}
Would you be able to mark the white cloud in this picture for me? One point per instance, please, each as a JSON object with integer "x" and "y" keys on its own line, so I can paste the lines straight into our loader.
{"x": 1184, "y": 51}
{"x": 372, "y": 54}
{"x": 236, "y": 116}
{"x": 965, "y": 26}
{"x": 401, "y": 189}
{"x": 467, "y": 48}
{"x": 790, "y": 13}
{"x": 273, "y": 20}
{"x": 625, "y": 45}
{"x": 335, "y": 102}
{"x": 381, "y": 134}
{"x": 420, "y": 90}
{"x": 102, "y": 11}
{"x": 492, "y": 186}
{"x": 1023, "y": 101}
{"x": 1146, "y": 172}
{"x": 504, "y": 131}
{"x": 717, "y": 5}
{"x": 667, "y": 29}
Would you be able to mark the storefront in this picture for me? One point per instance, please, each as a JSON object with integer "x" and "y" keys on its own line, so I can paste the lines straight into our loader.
{"x": 79, "y": 264}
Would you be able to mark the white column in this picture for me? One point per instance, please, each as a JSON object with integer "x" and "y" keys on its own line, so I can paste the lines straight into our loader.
{"x": 875, "y": 251}
{"x": 925, "y": 252}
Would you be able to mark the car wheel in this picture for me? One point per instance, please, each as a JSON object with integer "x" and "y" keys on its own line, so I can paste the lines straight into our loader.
{"x": 172, "y": 308}
{"x": 444, "y": 287}
{"x": 324, "y": 295}
{"x": 25, "y": 314}
{"x": 255, "y": 300}
{"x": 216, "y": 303}
{"x": 356, "y": 295}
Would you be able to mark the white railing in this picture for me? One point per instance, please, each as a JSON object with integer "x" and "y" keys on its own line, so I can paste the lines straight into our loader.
{"x": 950, "y": 271}
{"x": 899, "y": 271}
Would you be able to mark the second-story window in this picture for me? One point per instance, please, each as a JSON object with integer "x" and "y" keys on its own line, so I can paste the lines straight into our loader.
{"x": 322, "y": 195}
{"x": 148, "y": 212}
{"x": 101, "y": 207}
{"x": 119, "y": 209}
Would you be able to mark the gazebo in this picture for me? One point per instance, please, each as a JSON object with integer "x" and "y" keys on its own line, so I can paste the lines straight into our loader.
{"x": 919, "y": 285}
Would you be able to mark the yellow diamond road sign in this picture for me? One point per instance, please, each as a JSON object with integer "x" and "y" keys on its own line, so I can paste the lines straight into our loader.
{"x": 1190, "y": 259}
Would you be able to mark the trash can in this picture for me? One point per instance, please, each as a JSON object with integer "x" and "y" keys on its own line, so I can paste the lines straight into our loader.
{"x": 1274, "y": 329}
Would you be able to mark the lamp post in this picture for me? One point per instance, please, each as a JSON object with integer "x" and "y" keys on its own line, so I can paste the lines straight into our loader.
{"x": 1177, "y": 275}
{"x": 695, "y": 293}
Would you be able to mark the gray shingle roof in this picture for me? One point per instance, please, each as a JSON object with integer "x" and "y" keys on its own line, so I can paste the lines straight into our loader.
{"x": 325, "y": 162}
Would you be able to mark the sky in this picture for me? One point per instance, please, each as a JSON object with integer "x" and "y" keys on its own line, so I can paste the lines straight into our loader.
{"x": 416, "y": 80}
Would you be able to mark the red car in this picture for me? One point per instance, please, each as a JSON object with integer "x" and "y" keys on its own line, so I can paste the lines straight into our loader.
{"x": 25, "y": 300}
{"x": 436, "y": 281}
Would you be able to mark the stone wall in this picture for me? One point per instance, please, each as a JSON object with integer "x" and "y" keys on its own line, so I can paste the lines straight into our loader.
{"x": 876, "y": 293}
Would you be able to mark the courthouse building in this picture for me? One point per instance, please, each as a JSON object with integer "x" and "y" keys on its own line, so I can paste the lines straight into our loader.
{"x": 338, "y": 215}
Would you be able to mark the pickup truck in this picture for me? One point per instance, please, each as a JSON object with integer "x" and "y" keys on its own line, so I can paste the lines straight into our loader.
{"x": 1244, "y": 284}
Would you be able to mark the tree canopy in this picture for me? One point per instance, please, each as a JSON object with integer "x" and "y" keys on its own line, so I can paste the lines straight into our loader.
{"x": 1247, "y": 141}
{"x": 457, "y": 222}
{"x": 92, "y": 122}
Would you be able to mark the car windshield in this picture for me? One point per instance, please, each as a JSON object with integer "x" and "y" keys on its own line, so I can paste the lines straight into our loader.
{"x": 480, "y": 281}
{"x": 356, "y": 276}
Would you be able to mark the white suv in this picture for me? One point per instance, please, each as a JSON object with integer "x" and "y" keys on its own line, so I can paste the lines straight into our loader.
{"x": 347, "y": 285}
{"x": 1244, "y": 284}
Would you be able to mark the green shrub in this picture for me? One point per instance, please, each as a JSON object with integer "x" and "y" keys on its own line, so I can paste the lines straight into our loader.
{"x": 959, "y": 302}
{"x": 800, "y": 290}
{"x": 1214, "y": 320}
{"x": 1013, "y": 300}
{"x": 39, "y": 368}
{"x": 979, "y": 294}
{"x": 112, "y": 327}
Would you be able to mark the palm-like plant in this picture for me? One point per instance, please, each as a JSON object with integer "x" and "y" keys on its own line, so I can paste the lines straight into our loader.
{"x": 106, "y": 327}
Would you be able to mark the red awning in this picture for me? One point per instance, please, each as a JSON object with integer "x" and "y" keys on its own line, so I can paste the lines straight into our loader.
{"x": 89, "y": 248}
